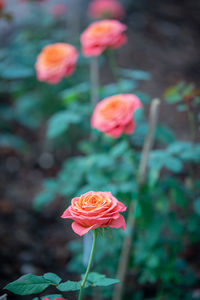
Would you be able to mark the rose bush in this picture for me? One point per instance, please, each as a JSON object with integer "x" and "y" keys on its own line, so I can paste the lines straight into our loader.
{"x": 95, "y": 210}
{"x": 55, "y": 62}
{"x": 101, "y": 35}
{"x": 114, "y": 115}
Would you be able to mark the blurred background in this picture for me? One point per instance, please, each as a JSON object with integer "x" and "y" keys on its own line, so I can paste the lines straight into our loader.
{"x": 163, "y": 42}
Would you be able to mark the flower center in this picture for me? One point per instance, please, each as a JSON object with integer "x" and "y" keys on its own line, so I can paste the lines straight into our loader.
{"x": 112, "y": 107}
{"x": 54, "y": 55}
{"x": 91, "y": 202}
{"x": 101, "y": 29}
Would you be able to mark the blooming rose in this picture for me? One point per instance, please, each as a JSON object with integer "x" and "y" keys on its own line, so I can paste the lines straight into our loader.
{"x": 114, "y": 115}
{"x": 95, "y": 210}
{"x": 55, "y": 62}
{"x": 105, "y": 9}
{"x": 101, "y": 35}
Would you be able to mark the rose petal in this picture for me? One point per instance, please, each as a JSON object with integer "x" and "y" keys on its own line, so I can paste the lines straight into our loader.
{"x": 80, "y": 230}
{"x": 129, "y": 128}
{"x": 66, "y": 214}
{"x": 118, "y": 223}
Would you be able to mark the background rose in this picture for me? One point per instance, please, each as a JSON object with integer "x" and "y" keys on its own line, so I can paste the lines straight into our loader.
{"x": 101, "y": 35}
{"x": 55, "y": 62}
{"x": 95, "y": 210}
{"x": 2, "y": 3}
{"x": 58, "y": 9}
{"x": 105, "y": 9}
{"x": 114, "y": 115}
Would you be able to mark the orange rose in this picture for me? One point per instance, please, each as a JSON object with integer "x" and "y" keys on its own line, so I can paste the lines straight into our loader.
{"x": 55, "y": 62}
{"x": 101, "y": 35}
{"x": 95, "y": 210}
{"x": 105, "y": 9}
{"x": 114, "y": 115}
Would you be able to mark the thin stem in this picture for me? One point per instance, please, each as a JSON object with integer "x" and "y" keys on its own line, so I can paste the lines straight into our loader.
{"x": 113, "y": 65}
{"x": 192, "y": 124}
{"x": 148, "y": 143}
{"x": 89, "y": 265}
{"x": 123, "y": 261}
{"x": 94, "y": 79}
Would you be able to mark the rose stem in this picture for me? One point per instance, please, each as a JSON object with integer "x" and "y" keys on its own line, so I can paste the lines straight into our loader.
{"x": 148, "y": 143}
{"x": 113, "y": 65}
{"x": 94, "y": 80}
{"x": 89, "y": 265}
{"x": 192, "y": 124}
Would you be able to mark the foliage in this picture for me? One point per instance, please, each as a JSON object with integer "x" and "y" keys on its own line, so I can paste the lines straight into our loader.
{"x": 31, "y": 284}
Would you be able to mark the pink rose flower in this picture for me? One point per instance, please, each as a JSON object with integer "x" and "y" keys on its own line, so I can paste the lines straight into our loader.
{"x": 114, "y": 115}
{"x": 95, "y": 210}
{"x": 24, "y": 1}
{"x": 2, "y": 4}
{"x": 101, "y": 35}
{"x": 58, "y": 9}
{"x": 55, "y": 62}
{"x": 99, "y": 9}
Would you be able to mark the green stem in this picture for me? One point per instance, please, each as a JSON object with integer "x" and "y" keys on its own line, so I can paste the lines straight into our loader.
{"x": 89, "y": 265}
{"x": 94, "y": 80}
{"x": 113, "y": 65}
{"x": 192, "y": 124}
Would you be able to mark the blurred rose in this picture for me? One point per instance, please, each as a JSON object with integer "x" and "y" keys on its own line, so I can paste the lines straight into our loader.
{"x": 55, "y": 62}
{"x": 99, "y": 9}
{"x": 95, "y": 210}
{"x": 2, "y": 4}
{"x": 114, "y": 115}
{"x": 23, "y": 1}
{"x": 101, "y": 35}
{"x": 58, "y": 10}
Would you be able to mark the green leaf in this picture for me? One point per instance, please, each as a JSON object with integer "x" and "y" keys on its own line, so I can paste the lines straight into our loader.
{"x": 70, "y": 95}
{"x": 16, "y": 72}
{"x": 28, "y": 284}
{"x": 196, "y": 206}
{"x": 52, "y": 297}
{"x": 182, "y": 107}
{"x": 164, "y": 134}
{"x": 173, "y": 164}
{"x": 46, "y": 195}
{"x": 69, "y": 286}
{"x": 96, "y": 279}
{"x": 8, "y": 140}
{"x": 136, "y": 74}
{"x": 59, "y": 123}
{"x": 119, "y": 149}
{"x": 53, "y": 278}
{"x": 179, "y": 147}
{"x": 126, "y": 86}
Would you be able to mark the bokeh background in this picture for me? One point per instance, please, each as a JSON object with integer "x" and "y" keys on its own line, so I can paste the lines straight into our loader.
{"x": 163, "y": 40}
